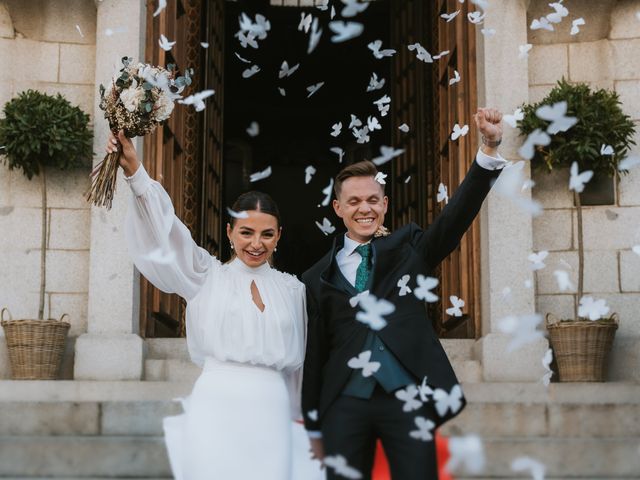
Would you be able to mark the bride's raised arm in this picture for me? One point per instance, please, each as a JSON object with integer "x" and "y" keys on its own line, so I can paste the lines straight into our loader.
{"x": 160, "y": 244}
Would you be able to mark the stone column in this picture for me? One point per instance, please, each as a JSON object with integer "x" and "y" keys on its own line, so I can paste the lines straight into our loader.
{"x": 112, "y": 349}
{"x": 506, "y": 231}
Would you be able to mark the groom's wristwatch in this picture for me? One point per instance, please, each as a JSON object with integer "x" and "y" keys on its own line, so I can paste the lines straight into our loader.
{"x": 491, "y": 143}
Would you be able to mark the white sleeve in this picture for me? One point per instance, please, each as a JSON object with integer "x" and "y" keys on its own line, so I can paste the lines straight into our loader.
{"x": 490, "y": 163}
{"x": 159, "y": 243}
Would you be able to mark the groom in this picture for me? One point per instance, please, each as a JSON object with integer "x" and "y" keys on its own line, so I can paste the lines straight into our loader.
{"x": 344, "y": 411}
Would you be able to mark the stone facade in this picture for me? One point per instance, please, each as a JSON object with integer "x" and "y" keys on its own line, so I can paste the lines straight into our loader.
{"x": 47, "y": 46}
{"x": 603, "y": 55}
{"x": 53, "y": 45}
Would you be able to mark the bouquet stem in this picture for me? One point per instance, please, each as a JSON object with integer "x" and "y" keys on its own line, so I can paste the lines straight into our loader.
{"x": 103, "y": 181}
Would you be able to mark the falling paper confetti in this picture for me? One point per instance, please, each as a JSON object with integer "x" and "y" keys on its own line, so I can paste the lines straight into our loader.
{"x": 404, "y": 128}
{"x": 162, "y": 4}
{"x": 522, "y": 330}
{"x": 527, "y": 464}
{"x": 205, "y": 45}
{"x": 254, "y": 177}
{"x": 537, "y": 260}
{"x": 197, "y": 99}
{"x": 345, "y": 30}
{"x": 467, "y": 452}
{"x": 556, "y": 114}
{"x": 338, "y": 151}
{"x": 425, "y": 285}
{"x": 327, "y": 194}
{"x": 353, "y": 8}
{"x": 442, "y": 195}
{"x": 448, "y": 401}
{"x": 336, "y": 128}
{"x": 576, "y": 24}
{"x": 308, "y": 174}
{"x": 577, "y": 181}
{"x": 254, "y": 129}
{"x": 250, "y": 72}
{"x": 524, "y": 50}
{"x": 456, "y": 309}
{"x": 362, "y": 361}
{"x": 234, "y": 214}
{"x": 380, "y": 178}
{"x": 512, "y": 120}
{"x": 374, "y": 83}
{"x": 340, "y": 466}
{"x": 409, "y": 395}
{"x": 421, "y": 53}
{"x": 592, "y": 309}
{"x": 314, "y": 88}
{"x": 450, "y": 16}
{"x": 535, "y": 138}
{"x": 373, "y": 311}
{"x": 379, "y": 54}
{"x": 546, "y": 363}
{"x": 165, "y": 44}
{"x": 425, "y": 427}
{"x": 606, "y": 150}
{"x": 285, "y": 71}
{"x": 562, "y": 277}
{"x": 79, "y": 31}
{"x": 387, "y": 154}
{"x": 459, "y": 131}
{"x": 455, "y": 79}
{"x": 326, "y": 227}
{"x": 402, "y": 285}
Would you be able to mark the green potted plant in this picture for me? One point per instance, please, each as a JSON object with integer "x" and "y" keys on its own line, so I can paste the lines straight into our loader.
{"x": 599, "y": 140}
{"x": 41, "y": 132}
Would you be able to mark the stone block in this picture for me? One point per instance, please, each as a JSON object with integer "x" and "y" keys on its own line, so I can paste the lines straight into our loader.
{"x": 82, "y": 96}
{"x": 108, "y": 357}
{"x": 55, "y": 20}
{"x": 49, "y": 418}
{"x": 136, "y": 418}
{"x": 5, "y": 175}
{"x": 629, "y": 91}
{"x": 6, "y": 24}
{"x": 458, "y": 348}
{"x": 578, "y": 458}
{"x": 522, "y": 365}
{"x": 561, "y": 306}
{"x": 77, "y": 456}
{"x": 610, "y": 228}
{"x": 499, "y": 420}
{"x": 629, "y": 193}
{"x": 33, "y": 61}
{"x": 5, "y": 366}
{"x": 74, "y": 304}
{"x": 154, "y": 370}
{"x": 67, "y": 271}
{"x": 590, "y": 61}
{"x": 77, "y": 63}
{"x": 548, "y": 64}
{"x": 624, "y": 360}
{"x": 596, "y": 421}
{"x": 600, "y": 272}
{"x": 65, "y": 189}
{"x": 161, "y": 348}
{"x": 20, "y": 280}
{"x": 69, "y": 229}
{"x": 629, "y": 271}
{"x": 552, "y": 230}
{"x": 627, "y": 306}
{"x": 21, "y": 228}
{"x": 552, "y": 188}
{"x": 624, "y": 23}
{"x": 467, "y": 371}
{"x": 623, "y": 59}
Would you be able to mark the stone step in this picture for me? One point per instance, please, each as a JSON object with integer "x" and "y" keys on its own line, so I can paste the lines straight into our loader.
{"x": 458, "y": 348}
{"x": 171, "y": 370}
{"x": 71, "y": 456}
{"x": 467, "y": 371}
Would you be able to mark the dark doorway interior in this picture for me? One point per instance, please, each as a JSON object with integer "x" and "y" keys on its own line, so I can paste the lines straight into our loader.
{"x": 295, "y": 130}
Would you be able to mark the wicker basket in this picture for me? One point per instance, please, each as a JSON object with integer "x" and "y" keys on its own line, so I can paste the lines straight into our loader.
{"x": 581, "y": 348}
{"x": 35, "y": 346}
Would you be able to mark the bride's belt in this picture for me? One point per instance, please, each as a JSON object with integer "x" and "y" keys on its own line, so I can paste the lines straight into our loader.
{"x": 214, "y": 365}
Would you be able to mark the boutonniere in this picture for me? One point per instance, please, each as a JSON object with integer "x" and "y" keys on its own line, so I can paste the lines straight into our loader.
{"x": 382, "y": 231}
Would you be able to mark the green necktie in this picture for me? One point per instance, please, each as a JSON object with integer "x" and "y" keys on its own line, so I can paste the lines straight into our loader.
{"x": 362, "y": 274}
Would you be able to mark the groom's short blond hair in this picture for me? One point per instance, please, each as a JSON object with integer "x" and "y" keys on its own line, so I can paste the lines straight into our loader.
{"x": 364, "y": 168}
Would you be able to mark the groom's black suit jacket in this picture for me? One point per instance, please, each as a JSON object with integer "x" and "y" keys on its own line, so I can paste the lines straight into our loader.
{"x": 334, "y": 336}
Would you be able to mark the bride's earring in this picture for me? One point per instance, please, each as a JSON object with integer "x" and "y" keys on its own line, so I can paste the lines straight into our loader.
{"x": 231, "y": 244}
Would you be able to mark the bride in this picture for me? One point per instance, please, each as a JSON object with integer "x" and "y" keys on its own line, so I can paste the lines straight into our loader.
{"x": 245, "y": 325}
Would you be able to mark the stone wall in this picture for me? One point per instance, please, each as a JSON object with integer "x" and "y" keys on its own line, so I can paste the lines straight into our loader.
{"x": 46, "y": 45}
{"x": 605, "y": 55}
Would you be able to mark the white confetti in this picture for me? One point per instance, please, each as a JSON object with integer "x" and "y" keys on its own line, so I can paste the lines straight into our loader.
{"x": 162, "y": 4}
{"x": 250, "y": 72}
{"x": 314, "y": 88}
{"x": 443, "y": 194}
{"x": 524, "y": 50}
{"x": 577, "y": 181}
{"x": 254, "y": 129}
{"x": 467, "y": 452}
{"x": 336, "y": 128}
{"x": 309, "y": 172}
{"x": 363, "y": 361}
{"x": 459, "y": 131}
{"x": 455, "y": 79}
{"x": 165, "y": 44}
{"x": 340, "y": 466}
{"x": 379, "y": 54}
{"x": 326, "y": 227}
{"x": 234, "y": 214}
{"x": 373, "y": 311}
{"x": 606, "y": 150}
{"x": 375, "y": 83}
{"x": 402, "y": 285}
{"x": 546, "y": 363}
{"x": 254, "y": 177}
{"x": 404, "y": 128}
{"x": 425, "y": 285}
{"x": 353, "y": 8}
{"x": 576, "y": 24}
{"x": 409, "y": 395}
{"x": 345, "y": 30}
{"x": 592, "y": 309}
{"x": 338, "y": 151}
{"x": 522, "y": 330}
{"x": 285, "y": 71}
{"x": 79, "y": 31}
{"x": 556, "y": 114}
{"x": 527, "y": 464}
{"x": 327, "y": 193}
{"x": 448, "y": 401}
{"x": 421, "y": 53}
{"x": 387, "y": 154}
{"x": 564, "y": 283}
{"x": 197, "y": 99}
{"x": 537, "y": 260}
{"x": 380, "y": 178}
{"x": 424, "y": 431}
{"x": 204, "y": 44}
{"x": 456, "y": 309}
{"x": 450, "y": 16}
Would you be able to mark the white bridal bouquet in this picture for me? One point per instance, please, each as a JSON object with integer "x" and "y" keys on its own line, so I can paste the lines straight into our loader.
{"x": 139, "y": 98}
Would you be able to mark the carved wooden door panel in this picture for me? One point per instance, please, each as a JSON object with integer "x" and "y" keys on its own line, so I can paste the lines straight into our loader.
{"x": 430, "y": 106}
{"x": 173, "y": 154}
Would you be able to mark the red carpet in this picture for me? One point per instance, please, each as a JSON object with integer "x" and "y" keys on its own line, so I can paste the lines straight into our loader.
{"x": 381, "y": 467}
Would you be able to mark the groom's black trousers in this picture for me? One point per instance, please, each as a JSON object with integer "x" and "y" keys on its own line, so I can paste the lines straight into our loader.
{"x": 352, "y": 425}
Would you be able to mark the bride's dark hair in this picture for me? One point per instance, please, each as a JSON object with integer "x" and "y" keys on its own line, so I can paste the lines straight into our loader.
{"x": 255, "y": 200}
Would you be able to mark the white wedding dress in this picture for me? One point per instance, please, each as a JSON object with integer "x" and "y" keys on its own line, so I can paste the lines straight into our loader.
{"x": 237, "y": 422}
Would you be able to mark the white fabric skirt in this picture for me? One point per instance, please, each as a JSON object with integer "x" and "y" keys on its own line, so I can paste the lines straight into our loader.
{"x": 237, "y": 425}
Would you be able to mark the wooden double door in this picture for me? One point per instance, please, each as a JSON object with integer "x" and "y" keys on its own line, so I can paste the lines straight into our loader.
{"x": 202, "y": 160}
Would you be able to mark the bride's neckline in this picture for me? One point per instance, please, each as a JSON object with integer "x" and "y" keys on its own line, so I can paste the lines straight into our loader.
{"x": 239, "y": 265}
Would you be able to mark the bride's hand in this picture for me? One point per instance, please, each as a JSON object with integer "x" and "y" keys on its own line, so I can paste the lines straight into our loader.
{"x": 128, "y": 160}
{"x": 317, "y": 449}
